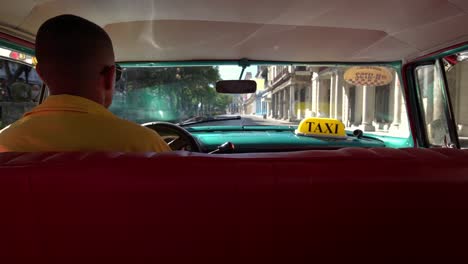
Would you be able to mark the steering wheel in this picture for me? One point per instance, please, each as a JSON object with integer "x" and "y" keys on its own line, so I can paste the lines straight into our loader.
{"x": 175, "y": 136}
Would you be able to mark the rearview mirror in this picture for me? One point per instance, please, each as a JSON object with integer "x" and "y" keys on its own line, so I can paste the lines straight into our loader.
{"x": 236, "y": 86}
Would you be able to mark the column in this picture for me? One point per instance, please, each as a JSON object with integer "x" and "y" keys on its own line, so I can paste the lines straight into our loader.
{"x": 323, "y": 102}
{"x": 358, "y": 98}
{"x": 284, "y": 113}
{"x": 345, "y": 106}
{"x": 292, "y": 103}
{"x": 368, "y": 108}
{"x": 280, "y": 104}
{"x": 314, "y": 95}
{"x": 272, "y": 105}
{"x": 286, "y": 103}
{"x": 275, "y": 105}
{"x": 391, "y": 103}
{"x": 297, "y": 103}
{"x": 397, "y": 99}
{"x": 268, "y": 107}
{"x": 308, "y": 100}
{"x": 338, "y": 107}
{"x": 332, "y": 96}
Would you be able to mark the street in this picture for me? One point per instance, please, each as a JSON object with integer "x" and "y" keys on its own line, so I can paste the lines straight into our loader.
{"x": 253, "y": 120}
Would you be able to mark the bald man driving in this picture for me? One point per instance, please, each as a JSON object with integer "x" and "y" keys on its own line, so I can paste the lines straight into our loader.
{"x": 76, "y": 61}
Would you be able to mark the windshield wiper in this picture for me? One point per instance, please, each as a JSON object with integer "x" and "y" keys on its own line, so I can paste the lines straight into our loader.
{"x": 206, "y": 119}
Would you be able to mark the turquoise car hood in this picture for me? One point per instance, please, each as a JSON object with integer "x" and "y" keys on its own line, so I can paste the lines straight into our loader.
{"x": 250, "y": 138}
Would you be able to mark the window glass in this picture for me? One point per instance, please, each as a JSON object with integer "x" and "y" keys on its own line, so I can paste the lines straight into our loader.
{"x": 456, "y": 68}
{"x": 430, "y": 84}
{"x": 368, "y": 98}
{"x": 19, "y": 87}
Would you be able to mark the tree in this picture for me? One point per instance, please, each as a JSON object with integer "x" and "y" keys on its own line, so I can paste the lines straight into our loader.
{"x": 185, "y": 91}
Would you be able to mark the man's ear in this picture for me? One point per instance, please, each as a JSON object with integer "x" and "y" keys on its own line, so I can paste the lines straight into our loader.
{"x": 109, "y": 79}
{"x": 109, "y": 82}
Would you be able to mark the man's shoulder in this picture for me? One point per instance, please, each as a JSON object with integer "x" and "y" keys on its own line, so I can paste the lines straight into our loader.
{"x": 142, "y": 135}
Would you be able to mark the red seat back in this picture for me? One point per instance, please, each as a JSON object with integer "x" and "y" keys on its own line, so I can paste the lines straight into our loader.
{"x": 364, "y": 205}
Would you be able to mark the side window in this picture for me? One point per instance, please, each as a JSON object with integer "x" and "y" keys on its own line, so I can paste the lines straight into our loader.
{"x": 19, "y": 88}
{"x": 431, "y": 89}
{"x": 456, "y": 68}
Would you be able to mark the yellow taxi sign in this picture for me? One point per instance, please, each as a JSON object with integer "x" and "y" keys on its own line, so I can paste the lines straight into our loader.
{"x": 321, "y": 127}
{"x": 368, "y": 75}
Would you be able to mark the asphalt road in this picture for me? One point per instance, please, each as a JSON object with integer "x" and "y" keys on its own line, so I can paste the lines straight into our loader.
{"x": 249, "y": 120}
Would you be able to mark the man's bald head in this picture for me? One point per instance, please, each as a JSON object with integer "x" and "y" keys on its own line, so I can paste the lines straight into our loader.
{"x": 72, "y": 52}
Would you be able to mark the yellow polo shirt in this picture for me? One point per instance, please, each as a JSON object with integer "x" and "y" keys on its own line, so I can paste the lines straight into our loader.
{"x": 73, "y": 123}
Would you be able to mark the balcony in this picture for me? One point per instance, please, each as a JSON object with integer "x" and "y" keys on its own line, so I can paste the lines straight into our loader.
{"x": 281, "y": 75}
{"x": 301, "y": 70}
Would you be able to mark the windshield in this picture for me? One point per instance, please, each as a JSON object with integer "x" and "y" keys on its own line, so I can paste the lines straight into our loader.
{"x": 362, "y": 97}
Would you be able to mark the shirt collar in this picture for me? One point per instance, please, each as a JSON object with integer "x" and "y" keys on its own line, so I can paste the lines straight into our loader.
{"x": 70, "y": 103}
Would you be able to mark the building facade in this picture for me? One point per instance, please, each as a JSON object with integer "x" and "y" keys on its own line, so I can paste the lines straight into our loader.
{"x": 298, "y": 92}
{"x": 252, "y": 103}
{"x": 286, "y": 92}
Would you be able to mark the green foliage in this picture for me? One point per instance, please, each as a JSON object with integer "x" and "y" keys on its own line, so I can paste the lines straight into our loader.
{"x": 172, "y": 94}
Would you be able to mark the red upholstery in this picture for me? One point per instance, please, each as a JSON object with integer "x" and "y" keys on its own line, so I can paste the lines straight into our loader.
{"x": 349, "y": 205}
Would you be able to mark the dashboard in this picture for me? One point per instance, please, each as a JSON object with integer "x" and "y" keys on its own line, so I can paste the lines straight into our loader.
{"x": 272, "y": 139}
{"x": 248, "y": 139}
